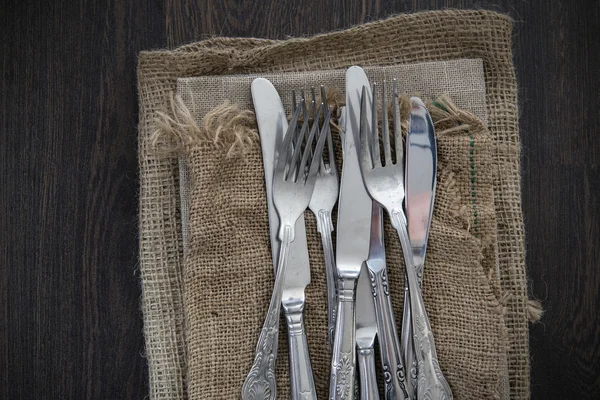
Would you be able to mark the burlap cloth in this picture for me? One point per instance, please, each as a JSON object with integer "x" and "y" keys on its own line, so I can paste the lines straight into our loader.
{"x": 441, "y": 35}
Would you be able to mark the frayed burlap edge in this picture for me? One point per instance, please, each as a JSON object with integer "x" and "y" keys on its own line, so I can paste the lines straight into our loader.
{"x": 227, "y": 126}
{"x": 449, "y": 34}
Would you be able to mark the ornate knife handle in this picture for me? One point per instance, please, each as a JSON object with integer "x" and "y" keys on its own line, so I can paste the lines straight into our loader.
{"x": 368, "y": 376}
{"x": 391, "y": 357}
{"x": 431, "y": 381}
{"x": 410, "y": 362}
{"x": 260, "y": 382}
{"x": 301, "y": 375}
{"x": 325, "y": 227}
{"x": 341, "y": 383}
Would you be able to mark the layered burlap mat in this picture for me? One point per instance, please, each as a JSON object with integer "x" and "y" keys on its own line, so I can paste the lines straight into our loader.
{"x": 442, "y": 35}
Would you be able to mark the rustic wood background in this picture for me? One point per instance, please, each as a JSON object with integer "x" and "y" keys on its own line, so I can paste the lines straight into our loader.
{"x": 70, "y": 321}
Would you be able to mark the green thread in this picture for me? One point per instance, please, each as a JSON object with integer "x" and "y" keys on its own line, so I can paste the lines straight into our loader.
{"x": 473, "y": 192}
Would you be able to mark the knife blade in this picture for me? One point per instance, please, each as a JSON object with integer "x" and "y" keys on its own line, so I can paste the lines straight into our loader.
{"x": 272, "y": 125}
{"x": 353, "y": 227}
{"x": 366, "y": 330}
{"x": 420, "y": 181}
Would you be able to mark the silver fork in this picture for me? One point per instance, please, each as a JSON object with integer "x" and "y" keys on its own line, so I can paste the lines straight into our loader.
{"x": 321, "y": 204}
{"x": 293, "y": 183}
{"x": 385, "y": 184}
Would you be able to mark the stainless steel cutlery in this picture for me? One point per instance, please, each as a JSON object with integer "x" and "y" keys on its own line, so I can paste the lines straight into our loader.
{"x": 366, "y": 330}
{"x": 321, "y": 204}
{"x": 385, "y": 184}
{"x": 293, "y": 181}
{"x": 421, "y": 165}
{"x": 300, "y": 173}
{"x": 352, "y": 250}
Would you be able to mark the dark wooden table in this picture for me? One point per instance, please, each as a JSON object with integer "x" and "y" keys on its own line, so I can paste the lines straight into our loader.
{"x": 70, "y": 320}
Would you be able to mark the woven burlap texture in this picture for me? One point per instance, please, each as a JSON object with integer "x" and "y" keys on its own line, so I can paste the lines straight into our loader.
{"x": 462, "y": 242}
{"x": 441, "y": 35}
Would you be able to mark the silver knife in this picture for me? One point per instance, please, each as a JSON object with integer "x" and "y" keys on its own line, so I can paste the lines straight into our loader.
{"x": 366, "y": 330}
{"x": 272, "y": 125}
{"x": 420, "y": 181}
{"x": 353, "y": 227}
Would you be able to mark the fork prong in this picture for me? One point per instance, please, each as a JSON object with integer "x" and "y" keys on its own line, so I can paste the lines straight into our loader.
{"x": 314, "y": 165}
{"x": 298, "y": 143}
{"x": 313, "y": 95}
{"x": 397, "y": 125}
{"x": 332, "y": 165}
{"x": 308, "y": 148}
{"x": 365, "y": 139}
{"x": 294, "y": 104}
{"x": 329, "y": 141}
{"x": 385, "y": 131}
{"x": 284, "y": 153}
{"x": 323, "y": 97}
{"x": 375, "y": 130}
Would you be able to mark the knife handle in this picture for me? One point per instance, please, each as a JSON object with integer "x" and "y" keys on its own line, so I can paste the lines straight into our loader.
{"x": 389, "y": 343}
{"x": 368, "y": 376}
{"x": 343, "y": 362}
{"x": 260, "y": 381}
{"x": 431, "y": 379}
{"x": 410, "y": 362}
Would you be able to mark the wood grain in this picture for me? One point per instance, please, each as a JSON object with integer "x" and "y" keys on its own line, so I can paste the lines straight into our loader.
{"x": 71, "y": 325}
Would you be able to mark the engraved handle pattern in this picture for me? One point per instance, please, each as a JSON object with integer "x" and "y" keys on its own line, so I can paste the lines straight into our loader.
{"x": 260, "y": 383}
{"x": 431, "y": 381}
{"x": 368, "y": 376}
{"x": 389, "y": 344}
{"x": 302, "y": 384}
{"x": 325, "y": 227}
{"x": 341, "y": 383}
{"x": 408, "y": 346}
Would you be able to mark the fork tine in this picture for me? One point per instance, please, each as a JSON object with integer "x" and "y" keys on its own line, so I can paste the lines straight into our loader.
{"x": 365, "y": 152}
{"x": 330, "y": 149}
{"x": 284, "y": 148}
{"x": 385, "y": 127}
{"x": 294, "y": 104}
{"x": 332, "y": 165}
{"x": 299, "y": 140}
{"x": 314, "y": 98}
{"x": 397, "y": 126}
{"x": 323, "y": 97}
{"x": 308, "y": 150}
{"x": 329, "y": 142}
{"x": 314, "y": 165}
{"x": 375, "y": 130}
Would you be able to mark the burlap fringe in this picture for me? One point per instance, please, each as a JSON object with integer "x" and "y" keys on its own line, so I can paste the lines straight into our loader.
{"x": 535, "y": 311}
{"x": 227, "y": 126}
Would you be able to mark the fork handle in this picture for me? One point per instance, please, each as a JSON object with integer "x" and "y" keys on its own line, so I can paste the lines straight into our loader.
{"x": 301, "y": 375}
{"x": 325, "y": 227}
{"x": 431, "y": 380}
{"x": 260, "y": 381}
{"x": 389, "y": 343}
{"x": 343, "y": 362}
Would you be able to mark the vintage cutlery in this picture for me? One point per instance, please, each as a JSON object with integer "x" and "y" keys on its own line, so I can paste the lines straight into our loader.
{"x": 389, "y": 342}
{"x": 321, "y": 204}
{"x": 353, "y": 228}
{"x": 385, "y": 184}
{"x": 366, "y": 330}
{"x": 292, "y": 185}
{"x": 420, "y": 182}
